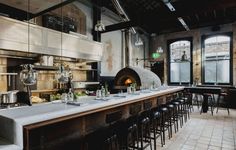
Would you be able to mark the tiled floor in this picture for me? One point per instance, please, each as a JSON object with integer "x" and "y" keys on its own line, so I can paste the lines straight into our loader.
{"x": 205, "y": 132}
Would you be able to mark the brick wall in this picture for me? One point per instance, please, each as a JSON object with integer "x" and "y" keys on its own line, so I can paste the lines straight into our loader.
{"x": 3, "y": 79}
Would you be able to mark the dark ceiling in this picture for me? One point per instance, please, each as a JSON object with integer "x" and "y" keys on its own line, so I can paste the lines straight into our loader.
{"x": 154, "y": 16}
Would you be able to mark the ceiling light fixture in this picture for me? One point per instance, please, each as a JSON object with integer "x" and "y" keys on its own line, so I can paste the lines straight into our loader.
{"x": 138, "y": 41}
{"x": 99, "y": 26}
{"x": 181, "y": 20}
{"x": 169, "y": 5}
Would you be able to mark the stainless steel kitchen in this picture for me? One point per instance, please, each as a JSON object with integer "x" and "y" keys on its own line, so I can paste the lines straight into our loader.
{"x": 117, "y": 74}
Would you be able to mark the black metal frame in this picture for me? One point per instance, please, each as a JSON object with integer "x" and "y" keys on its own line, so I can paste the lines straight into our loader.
{"x": 190, "y": 39}
{"x": 204, "y": 37}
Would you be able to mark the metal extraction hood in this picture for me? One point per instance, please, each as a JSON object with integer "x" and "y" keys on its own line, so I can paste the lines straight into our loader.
{"x": 14, "y": 37}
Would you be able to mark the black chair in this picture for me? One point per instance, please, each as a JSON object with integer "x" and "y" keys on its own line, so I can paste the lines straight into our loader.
{"x": 211, "y": 102}
{"x": 223, "y": 101}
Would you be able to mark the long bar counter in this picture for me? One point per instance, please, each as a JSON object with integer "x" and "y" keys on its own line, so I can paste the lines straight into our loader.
{"x": 41, "y": 125}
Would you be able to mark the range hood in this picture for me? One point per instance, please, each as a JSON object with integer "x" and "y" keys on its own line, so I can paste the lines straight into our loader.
{"x": 14, "y": 37}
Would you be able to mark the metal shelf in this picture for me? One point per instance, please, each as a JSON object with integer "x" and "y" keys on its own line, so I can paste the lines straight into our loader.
{"x": 8, "y": 74}
{"x": 45, "y": 68}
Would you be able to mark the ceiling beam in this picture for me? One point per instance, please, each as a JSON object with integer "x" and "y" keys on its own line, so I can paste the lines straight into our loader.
{"x": 205, "y": 6}
{"x": 185, "y": 10}
{"x": 119, "y": 26}
{"x": 52, "y": 8}
{"x": 14, "y": 12}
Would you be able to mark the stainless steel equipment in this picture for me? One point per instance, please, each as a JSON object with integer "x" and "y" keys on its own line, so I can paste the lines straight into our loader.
{"x": 8, "y": 97}
{"x": 28, "y": 76}
{"x": 44, "y": 41}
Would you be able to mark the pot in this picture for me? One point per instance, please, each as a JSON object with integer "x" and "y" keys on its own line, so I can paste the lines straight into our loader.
{"x": 9, "y": 97}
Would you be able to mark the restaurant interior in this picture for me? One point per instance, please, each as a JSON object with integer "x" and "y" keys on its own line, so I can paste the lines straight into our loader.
{"x": 117, "y": 74}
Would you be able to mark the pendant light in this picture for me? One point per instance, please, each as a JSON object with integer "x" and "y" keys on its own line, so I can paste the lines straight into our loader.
{"x": 138, "y": 41}
{"x": 62, "y": 74}
{"x": 28, "y": 76}
{"x": 99, "y": 26}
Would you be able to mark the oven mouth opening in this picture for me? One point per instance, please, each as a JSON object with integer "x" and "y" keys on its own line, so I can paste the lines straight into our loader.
{"x": 128, "y": 81}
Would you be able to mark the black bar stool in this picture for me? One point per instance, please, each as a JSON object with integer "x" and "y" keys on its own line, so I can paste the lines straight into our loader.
{"x": 130, "y": 135}
{"x": 165, "y": 125}
{"x": 106, "y": 138}
{"x": 113, "y": 120}
{"x": 156, "y": 127}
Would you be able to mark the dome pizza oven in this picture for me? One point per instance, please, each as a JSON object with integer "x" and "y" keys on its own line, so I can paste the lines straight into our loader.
{"x": 141, "y": 76}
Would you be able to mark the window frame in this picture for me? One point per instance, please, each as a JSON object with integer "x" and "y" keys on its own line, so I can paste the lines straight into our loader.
{"x": 203, "y": 38}
{"x": 190, "y": 39}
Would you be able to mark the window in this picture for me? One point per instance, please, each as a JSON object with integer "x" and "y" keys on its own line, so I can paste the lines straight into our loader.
{"x": 217, "y": 59}
{"x": 180, "y": 61}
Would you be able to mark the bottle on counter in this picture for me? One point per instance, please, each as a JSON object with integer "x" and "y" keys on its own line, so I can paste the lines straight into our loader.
{"x": 106, "y": 90}
{"x": 103, "y": 92}
{"x": 70, "y": 95}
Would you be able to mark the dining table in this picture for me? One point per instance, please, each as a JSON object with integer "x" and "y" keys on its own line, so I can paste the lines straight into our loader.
{"x": 206, "y": 92}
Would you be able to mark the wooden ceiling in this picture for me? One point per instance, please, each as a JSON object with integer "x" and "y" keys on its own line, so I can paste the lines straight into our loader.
{"x": 151, "y": 16}
{"x": 154, "y": 16}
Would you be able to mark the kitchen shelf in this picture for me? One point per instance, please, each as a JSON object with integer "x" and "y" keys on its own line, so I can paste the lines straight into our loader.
{"x": 45, "y": 68}
{"x": 8, "y": 74}
{"x": 81, "y": 69}
{"x": 41, "y": 91}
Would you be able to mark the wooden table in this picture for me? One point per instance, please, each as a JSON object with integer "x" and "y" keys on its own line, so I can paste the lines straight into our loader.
{"x": 205, "y": 91}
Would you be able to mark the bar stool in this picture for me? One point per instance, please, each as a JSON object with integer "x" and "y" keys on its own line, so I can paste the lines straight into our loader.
{"x": 106, "y": 138}
{"x": 156, "y": 127}
{"x": 177, "y": 115}
{"x": 114, "y": 124}
{"x": 165, "y": 124}
{"x": 130, "y": 135}
{"x": 172, "y": 117}
{"x": 144, "y": 125}
{"x": 182, "y": 111}
{"x": 137, "y": 131}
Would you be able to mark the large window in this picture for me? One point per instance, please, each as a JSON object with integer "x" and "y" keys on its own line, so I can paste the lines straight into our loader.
{"x": 180, "y": 61}
{"x": 217, "y": 59}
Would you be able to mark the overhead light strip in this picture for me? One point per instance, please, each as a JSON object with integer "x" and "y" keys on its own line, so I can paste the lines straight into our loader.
{"x": 170, "y": 6}
{"x": 181, "y": 20}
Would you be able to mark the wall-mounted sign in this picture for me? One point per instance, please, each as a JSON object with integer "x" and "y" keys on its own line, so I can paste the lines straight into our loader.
{"x": 155, "y": 55}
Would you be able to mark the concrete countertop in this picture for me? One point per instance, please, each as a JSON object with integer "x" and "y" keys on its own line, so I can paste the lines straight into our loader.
{"x": 6, "y": 145}
{"x": 13, "y": 120}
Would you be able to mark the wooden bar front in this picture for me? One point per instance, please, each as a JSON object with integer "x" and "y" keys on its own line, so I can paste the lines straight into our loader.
{"x": 67, "y": 132}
